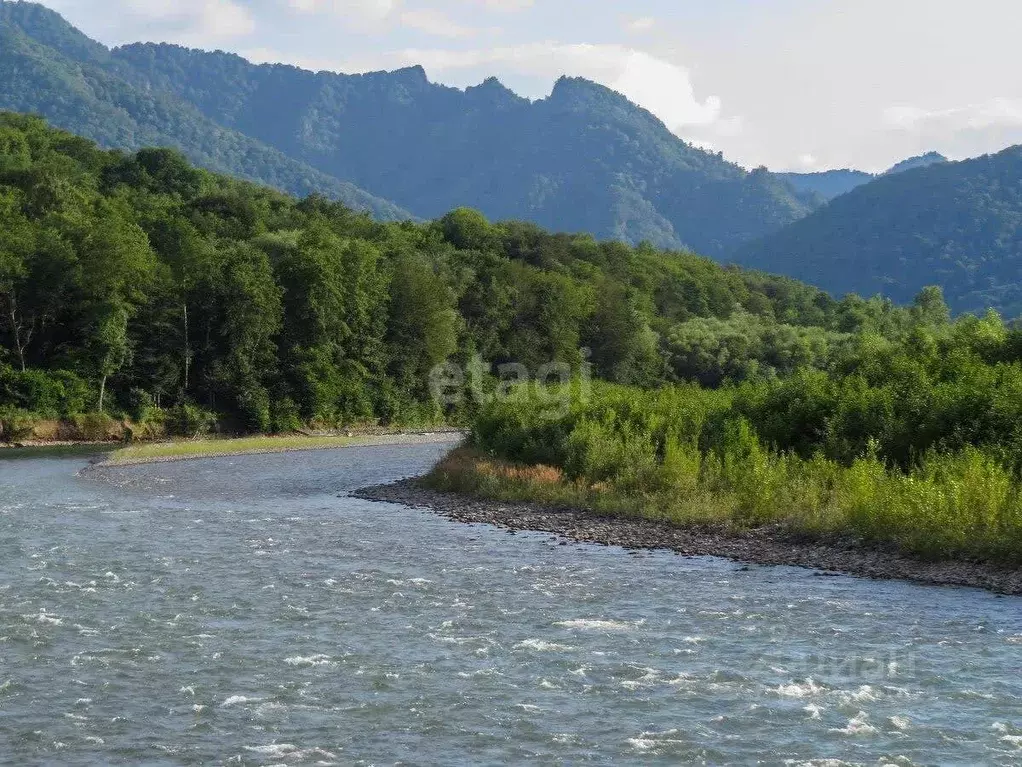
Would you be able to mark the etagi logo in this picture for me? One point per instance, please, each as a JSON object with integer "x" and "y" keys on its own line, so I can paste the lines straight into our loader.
{"x": 555, "y": 386}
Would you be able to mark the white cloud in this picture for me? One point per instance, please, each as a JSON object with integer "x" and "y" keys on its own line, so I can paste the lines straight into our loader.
{"x": 958, "y": 132}
{"x": 641, "y": 24}
{"x": 996, "y": 113}
{"x": 190, "y": 22}
{"x": 224, "y": 19}
{"x": 434, "y": 22}
{"x": 361, "y": 14}
{"x": 216, "y": 19}
{"x": 507, "y": 6}
{"x": 356, "y": 10}
{"x": 660, "y": 86}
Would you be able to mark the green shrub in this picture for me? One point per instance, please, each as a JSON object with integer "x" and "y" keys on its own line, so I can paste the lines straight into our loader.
{"x": 15, "y": 424}
{"x": 48, "y": 394}
{"x": 96, "y": 427}
{"x": 253, "y": 406}
{"x": 285, "y": 416}
{"x": 188, "y": 420}
{"x": 685, "y": 455}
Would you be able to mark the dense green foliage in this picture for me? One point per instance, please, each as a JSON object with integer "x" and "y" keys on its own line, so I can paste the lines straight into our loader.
{"x": 942, "y": 387}
{"x": 916, "y": 442}
{"x": 585, "y": 159}
{"x": 957, "y": 225}
{"x": 139, "y": 285}
{"x": 49, "y": 68}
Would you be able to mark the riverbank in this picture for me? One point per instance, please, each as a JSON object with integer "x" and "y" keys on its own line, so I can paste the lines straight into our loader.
{"x": 770, "y": 545}
{"x": 162, "y": 452}
{"x": 765, "y": 546}
{"x": 62, "y": 449}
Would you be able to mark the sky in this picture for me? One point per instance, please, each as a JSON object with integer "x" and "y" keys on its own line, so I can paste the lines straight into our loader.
{"x": 789, "y": 84}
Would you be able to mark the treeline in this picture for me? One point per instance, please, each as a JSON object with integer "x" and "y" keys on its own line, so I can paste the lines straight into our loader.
{"x": 915, "y": 441}
{"x": 140, "y": 286}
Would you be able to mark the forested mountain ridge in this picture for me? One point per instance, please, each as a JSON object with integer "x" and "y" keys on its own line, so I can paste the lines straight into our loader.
{"x": 954, "y": 224}
{"x": 50, "y": 68}
{"x": 139, "y": 284}
{"x": 585, "y": 159}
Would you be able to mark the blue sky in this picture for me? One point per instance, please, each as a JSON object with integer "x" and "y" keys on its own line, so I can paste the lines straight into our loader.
{"x": 791, "y": 84}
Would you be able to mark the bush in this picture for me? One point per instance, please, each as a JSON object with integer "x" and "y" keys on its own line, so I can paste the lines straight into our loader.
{"x": 253, "y": 404}
{"x": 188, "y": 420}
{"x": 49, "y": 394}
{"x": 97, "y": 427}
{"x": 141, "y": 404}
{"x": 687, "y": 456}
{"x": 15, "y": 424}
{"x": 285, "y": 416}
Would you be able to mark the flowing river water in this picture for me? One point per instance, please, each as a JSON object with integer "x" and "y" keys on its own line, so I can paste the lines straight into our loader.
{"x": 246, "y": 611}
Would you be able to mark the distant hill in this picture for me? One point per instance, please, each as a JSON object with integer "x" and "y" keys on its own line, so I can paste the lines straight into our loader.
{"x": 922, "y": 161}
{"x": 584, "y": 159}
{"x": 953, "y": 224}
{"x": 829, "y": 183}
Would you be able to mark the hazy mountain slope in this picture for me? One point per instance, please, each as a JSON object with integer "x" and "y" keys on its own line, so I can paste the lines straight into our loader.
{"x": 829, "y": 183}
{"x": 958, "y": 225}
{"x": 922, "y": 161}
{"x": 834, "y": 183}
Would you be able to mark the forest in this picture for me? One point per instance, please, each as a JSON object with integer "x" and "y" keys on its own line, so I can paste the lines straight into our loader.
{"x": 143, "y": 288}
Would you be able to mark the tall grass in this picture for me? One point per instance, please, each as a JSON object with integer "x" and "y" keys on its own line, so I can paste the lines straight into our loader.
{"x": 211, "y": 448}
{"x": 682, "y": 455}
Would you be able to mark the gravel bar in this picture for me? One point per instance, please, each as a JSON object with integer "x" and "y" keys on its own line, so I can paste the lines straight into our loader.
{"x": 768, "y": 546}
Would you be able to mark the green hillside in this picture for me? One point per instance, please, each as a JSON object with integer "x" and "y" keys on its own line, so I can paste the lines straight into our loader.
{"x": 957, "y": 225}
{"x": 49, "y": 68}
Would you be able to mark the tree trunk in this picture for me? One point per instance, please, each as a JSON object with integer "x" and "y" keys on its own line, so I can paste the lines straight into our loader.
{"x": 16, "y": 327}
{"x": 188, "y": 349}
{"x": 102, "y": 392}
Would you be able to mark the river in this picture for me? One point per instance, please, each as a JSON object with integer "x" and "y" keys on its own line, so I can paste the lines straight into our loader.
{"x": 246, "y": 611}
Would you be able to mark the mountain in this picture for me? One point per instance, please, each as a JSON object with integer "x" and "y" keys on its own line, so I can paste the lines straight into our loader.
{"x": 50, "y": 68}
{"x": 922, "y": 161}
{"x": 583, "y": 159}
{"x": 829, "y": 183}
{"x": 953, "y": 224}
